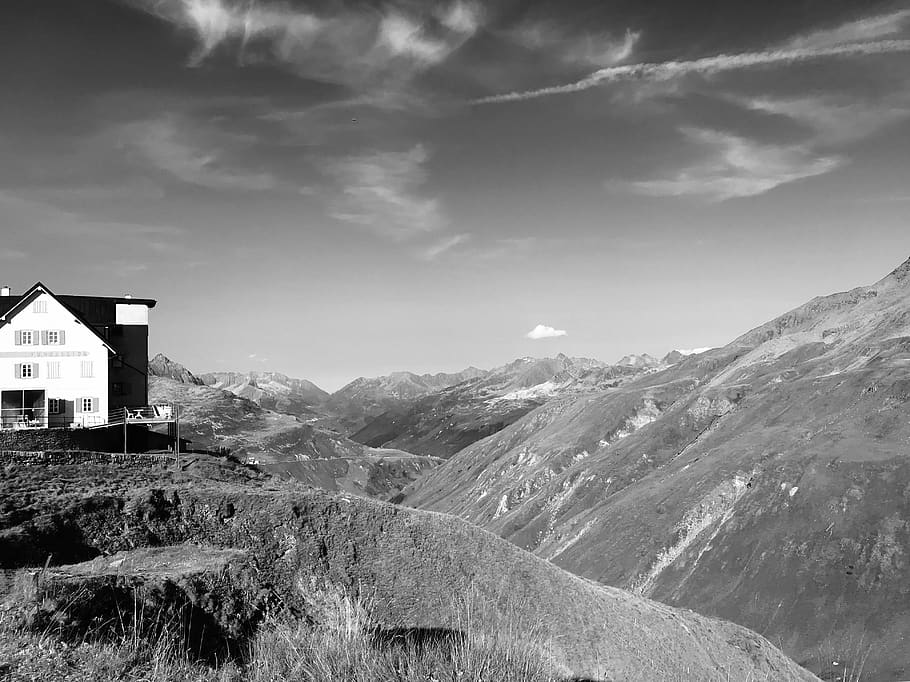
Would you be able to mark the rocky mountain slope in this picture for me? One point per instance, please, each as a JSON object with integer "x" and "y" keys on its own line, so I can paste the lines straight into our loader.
{"x": 281, "y": 443}
{"x": 360, "y": 401}
{"x": 443, "y": 423}
{"x": 290, "y": 545}
{"x": 766, "y": 482}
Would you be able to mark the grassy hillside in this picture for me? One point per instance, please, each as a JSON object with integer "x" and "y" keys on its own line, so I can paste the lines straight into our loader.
{"x": 418, "y": 571}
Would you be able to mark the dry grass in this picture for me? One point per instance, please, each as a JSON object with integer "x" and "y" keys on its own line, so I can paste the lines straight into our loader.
{"x": 344, "y": 646}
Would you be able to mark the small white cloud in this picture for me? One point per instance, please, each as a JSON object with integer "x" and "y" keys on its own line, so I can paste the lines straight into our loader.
{"x": 543, "y": 331}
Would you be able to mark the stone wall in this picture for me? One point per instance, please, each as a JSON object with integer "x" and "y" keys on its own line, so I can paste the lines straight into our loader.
{"x": 139, "y": 439}
{"x": 76, "y": 457}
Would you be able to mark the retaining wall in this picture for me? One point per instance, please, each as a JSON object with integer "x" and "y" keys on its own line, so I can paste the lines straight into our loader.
{"x": 139, "y": 439}
{"x": 64, "y": 457}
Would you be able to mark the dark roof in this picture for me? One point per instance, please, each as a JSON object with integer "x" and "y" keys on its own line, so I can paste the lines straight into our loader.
{"x": 96, "y": 310}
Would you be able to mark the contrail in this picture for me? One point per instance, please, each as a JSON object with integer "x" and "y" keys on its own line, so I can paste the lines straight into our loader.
{"x": 664, "y": 71}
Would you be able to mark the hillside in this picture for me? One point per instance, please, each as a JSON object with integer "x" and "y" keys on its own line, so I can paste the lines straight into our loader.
{"x": 445, "y": 422}
{"x": 764, "y": 482}
{"x": 283, "y": 444}
{"x": 418, "y": 570}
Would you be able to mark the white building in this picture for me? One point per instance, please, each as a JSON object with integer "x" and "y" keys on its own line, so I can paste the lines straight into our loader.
{"x": 67, "y": 361}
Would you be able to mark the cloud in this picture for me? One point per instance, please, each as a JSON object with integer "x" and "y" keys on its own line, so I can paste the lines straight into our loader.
{"x": 833, "y": 119}
{"x": 870, "y": 28}
{"x": 165, "y": 145}
{"x": 858, "y": 38}
{"x": 347, "y": 45}
{"x": 439, "y": 248}
{"x": 542, "y": 331}
{"x": 381, "y": 191}
{"x": 13, "y": 255}
{"x": 738, "y": 167}
{"x": 601, "y": 49}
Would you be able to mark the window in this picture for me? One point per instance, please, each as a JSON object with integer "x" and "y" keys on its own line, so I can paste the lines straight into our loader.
{"x": 88, "y": 369}
{"x": 53, "y": 370}
{"x": 118, "y": 388}
{"x": 54, "y": 406}
{"x": 26, "y": 337}
{"x": 52, "y": 337}
{"x": 39, "y": 307}
{"x": 88, "y": 404}
{"x": 26, "y": 371}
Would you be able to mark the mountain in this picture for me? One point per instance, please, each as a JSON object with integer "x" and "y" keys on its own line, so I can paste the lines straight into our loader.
{"x": 766, "y": 482}
{"x": 363, "y": 399}
{"x": 283, "y": 444}
{"x": 443, "y": 423}
{"x": 271, "y": 390}
{"x": 644, "y": 361}
{"x": 163, "y": 366}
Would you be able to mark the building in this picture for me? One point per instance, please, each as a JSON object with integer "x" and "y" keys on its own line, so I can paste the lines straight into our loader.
{"x": 69, "y": 361}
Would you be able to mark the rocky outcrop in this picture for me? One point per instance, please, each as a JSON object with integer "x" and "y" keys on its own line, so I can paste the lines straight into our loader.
{"x": 212, "y": 595}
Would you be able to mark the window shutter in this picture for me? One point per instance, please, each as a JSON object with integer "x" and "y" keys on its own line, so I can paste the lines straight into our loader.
{"x": 34, "y": 370}
{"x": 62, "y": 336}
{"x": 18, "y": 338}
{"x": 35, "y": 339}
{"x": 18, "y": 369}
{"x": 94, "y": 404}
{"x": 77, "y": 408}
{"x": 44, "y": 337}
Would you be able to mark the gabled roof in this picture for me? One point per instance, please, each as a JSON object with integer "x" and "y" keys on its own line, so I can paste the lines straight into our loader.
{"x": 33, "y": 293}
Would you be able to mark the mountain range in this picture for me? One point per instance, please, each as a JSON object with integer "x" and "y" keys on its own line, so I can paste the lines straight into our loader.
{"x": 766, "y": 482}
{"x": 278, "y": 443}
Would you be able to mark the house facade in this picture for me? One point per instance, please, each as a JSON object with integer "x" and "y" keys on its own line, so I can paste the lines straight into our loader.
{"x": 68, "y": 361}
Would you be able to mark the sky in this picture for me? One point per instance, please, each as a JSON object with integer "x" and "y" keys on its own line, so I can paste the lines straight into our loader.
{"x": 343, "y": 189}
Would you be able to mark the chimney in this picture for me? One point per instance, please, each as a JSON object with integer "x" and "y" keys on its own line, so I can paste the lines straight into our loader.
{"x": 4, "y": 291}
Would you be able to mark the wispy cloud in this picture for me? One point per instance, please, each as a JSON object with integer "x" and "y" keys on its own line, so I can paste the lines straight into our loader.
{"x": 738, "y": 167}
{"x": 12, "y": 255}
{"x": 601, "y": 49}
{"x": 869, "y": 28}
{"x": 381, "y": 191}
{"x": 166, "y": 146}
{"x": 345, "y": 45}
{"x": 543, "y": 331}
{"x": 439, "y": 248}
{"x": 860, "y": 38}
{"x": 834, "y": 119}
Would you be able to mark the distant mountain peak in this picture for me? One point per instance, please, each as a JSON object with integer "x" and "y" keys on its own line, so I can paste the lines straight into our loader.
{"x": 162, "y": 366}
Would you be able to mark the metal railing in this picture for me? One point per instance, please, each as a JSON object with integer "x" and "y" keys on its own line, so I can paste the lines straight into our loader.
{"x": 40, "y": 418}
{"x": 24, "y": 418}
{"x": 146, "y": 414}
